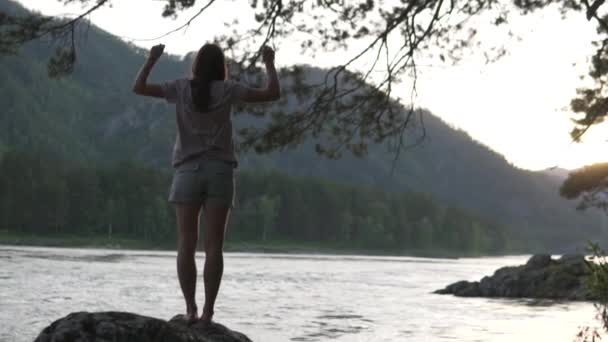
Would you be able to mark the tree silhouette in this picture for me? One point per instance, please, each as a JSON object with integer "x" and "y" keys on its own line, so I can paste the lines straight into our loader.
{"x": 590, "y": 183}
{"x": 343, "y": 110}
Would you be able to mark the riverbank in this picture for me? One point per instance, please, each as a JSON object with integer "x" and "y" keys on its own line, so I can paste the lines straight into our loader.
{"x": 282, "y": 247}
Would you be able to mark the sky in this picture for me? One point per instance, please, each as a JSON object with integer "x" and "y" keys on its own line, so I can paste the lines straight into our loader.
{"x": 518, "y": 105}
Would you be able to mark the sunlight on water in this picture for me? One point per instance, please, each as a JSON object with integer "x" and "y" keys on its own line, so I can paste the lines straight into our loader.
{"x": 272, "y": 297}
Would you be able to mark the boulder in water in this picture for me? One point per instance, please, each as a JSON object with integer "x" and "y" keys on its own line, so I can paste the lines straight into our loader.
{"x": 540, "y": 277}
{"x": 130, "y": 327}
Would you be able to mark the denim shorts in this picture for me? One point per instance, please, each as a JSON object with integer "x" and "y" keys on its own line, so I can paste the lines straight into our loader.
{"x": 203, "y": 180}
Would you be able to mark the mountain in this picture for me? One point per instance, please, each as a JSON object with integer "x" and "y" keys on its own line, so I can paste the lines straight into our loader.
{"x": 91, "y": 116}
{"x": 557, "y": 173}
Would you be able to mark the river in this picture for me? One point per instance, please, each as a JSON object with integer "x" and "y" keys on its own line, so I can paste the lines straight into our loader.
{"x": 278, "y": 297}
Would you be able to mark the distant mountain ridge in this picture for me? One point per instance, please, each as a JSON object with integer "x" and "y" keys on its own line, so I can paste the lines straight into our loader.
{"x": 92, "y": 116}
{"x": 557, "y": 173}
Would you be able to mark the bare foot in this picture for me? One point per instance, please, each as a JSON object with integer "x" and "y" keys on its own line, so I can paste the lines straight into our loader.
{"x": 206, "y": 316}
{"x": 192, "y": 314}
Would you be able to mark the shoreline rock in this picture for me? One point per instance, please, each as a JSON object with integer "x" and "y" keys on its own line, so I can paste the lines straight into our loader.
{"x": 540, "y": 278}
{"x": 129, "y": 327}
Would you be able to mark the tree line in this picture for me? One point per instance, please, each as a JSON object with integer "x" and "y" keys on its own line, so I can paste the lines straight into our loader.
{"x": 44, "y": 195}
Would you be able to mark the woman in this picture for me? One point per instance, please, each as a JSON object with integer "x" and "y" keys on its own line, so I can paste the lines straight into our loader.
{"x": 204, "y": 159}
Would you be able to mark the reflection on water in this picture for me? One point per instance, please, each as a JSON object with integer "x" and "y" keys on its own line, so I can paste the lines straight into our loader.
{"x": 332, "y": 326}
{"x": 82, "y": 258}
{"x": 272, "y": 297}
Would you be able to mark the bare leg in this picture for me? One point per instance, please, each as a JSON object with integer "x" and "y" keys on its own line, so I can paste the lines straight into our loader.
{"x": 187, "y": 223}
{"x": 215, "y": 218}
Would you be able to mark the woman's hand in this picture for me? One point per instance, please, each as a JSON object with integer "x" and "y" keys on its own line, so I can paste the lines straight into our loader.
{"x": 267, "y": 55}
{"x": 156, "y": 51}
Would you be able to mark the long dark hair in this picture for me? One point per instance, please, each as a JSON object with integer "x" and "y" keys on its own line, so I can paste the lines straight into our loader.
{"x": 209, "y": 65}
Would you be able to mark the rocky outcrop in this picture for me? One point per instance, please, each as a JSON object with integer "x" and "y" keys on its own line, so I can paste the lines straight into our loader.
{"x": 125, "y": 326}
{"x": 540, "y": 277}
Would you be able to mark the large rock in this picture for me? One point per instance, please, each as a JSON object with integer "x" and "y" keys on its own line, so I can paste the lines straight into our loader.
{"x": 130, "y": 327}
{"x": 540, "y": 277}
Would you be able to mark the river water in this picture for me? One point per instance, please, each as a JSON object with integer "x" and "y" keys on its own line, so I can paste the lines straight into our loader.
{"x": 274, "y": 297}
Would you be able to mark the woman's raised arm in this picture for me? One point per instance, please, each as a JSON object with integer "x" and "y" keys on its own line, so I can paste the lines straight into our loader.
{"x": 141, "y": 86}
{"x": 272, "y": 92}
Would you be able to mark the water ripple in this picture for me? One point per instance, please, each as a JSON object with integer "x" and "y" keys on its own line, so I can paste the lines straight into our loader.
{"x": 277, "y": 298}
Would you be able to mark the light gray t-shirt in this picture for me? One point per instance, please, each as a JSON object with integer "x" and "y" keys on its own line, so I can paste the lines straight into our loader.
{"x": 209, "y": 133}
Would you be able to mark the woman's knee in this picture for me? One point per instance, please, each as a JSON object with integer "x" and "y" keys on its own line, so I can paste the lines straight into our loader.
{"x": 187, "y": 244}
{"x": 214, "y": 249}
{"x": 187, "y": 223}
{"x": 188, "y": 238}
{"x": 216, "y": 219}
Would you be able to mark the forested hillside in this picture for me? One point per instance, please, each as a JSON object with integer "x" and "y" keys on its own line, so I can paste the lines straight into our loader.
{"x": 92, "y": 118}
{"x": 44, "y": 195}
